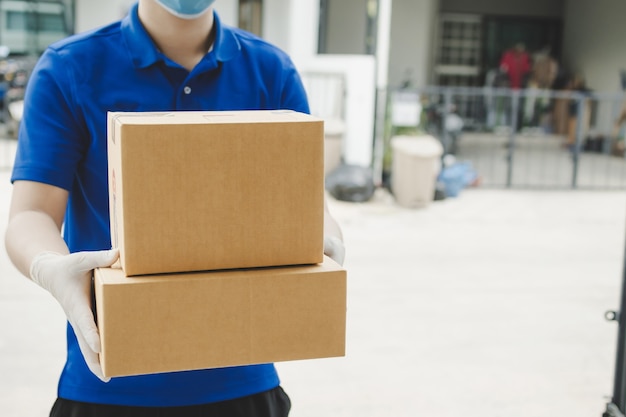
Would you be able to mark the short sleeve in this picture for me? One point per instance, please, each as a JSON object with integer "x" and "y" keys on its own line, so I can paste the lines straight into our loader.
{"x": 50, "y": 142}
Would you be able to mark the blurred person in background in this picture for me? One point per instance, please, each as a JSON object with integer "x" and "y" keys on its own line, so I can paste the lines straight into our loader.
{"x": 515, "y": 62}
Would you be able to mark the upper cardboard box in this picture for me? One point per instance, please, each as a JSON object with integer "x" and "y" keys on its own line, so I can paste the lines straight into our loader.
{"x": 192, "y": 191}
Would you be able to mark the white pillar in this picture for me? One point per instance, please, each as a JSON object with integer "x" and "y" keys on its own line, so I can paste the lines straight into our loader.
{"x": 382, "y": 42}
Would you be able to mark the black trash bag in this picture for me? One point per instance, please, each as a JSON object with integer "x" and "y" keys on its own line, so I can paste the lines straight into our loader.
{"x": 351, "y": 183}
{"x": 440, "y": 191}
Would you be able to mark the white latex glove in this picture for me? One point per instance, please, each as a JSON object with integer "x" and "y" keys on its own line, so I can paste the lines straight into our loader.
{"x": 68, "y": 279}
{"x": 333, "y": 247}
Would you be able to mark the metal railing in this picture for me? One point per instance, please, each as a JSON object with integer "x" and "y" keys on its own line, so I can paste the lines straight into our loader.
{"x": 516, "y": 138}
{"x": 513, "y": 138}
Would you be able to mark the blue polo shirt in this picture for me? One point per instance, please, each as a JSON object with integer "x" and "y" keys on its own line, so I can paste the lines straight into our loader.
{"x": 62, "y": 141}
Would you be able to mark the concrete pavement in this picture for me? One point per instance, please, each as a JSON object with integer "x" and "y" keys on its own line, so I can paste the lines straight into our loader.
{"x": 490, "y": 304}
{"x": 487, "y": 305}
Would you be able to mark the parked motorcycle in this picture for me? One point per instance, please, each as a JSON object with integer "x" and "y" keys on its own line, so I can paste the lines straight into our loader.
{"x": 444, "y": 123}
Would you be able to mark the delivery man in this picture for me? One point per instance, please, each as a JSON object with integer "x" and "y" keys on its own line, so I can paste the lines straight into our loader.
{"x": 164, "y": 55}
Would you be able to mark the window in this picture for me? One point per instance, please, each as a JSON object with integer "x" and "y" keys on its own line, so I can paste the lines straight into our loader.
{"x": 17, "y": 21}
{"x": 35, "y": 22}
{"x": 29, "y": 26}
{"x": 48, "y": 22}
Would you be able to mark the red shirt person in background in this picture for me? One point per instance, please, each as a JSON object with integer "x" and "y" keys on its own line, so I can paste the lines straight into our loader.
{"x": 516, "y": 63}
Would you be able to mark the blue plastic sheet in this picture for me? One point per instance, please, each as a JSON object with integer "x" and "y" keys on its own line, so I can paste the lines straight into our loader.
{"x": 456, "y": 177}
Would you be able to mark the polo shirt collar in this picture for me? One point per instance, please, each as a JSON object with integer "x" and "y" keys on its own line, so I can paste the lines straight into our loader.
{"x": 144, "y": 52}
{"x": 226, "y": 45}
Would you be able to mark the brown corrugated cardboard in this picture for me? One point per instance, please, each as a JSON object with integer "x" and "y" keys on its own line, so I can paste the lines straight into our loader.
{"x": 193, "y": 191}
{"x": 198, "y": 320}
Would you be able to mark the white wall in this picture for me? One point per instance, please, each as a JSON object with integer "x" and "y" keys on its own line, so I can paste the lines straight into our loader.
{"x": 413, "y": 28}
{"x": 536, "y": 8}
{"x": 594, "y": 46}
{"x": 594, "y": 41}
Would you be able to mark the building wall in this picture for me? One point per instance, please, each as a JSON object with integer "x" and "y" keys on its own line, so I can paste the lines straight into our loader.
{"x": 413, "y": 32}
{"x": 535, "y": 8}
{"x": 594, "y": 37}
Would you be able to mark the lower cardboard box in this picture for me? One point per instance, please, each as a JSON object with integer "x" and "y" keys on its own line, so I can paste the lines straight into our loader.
{"x": 175, "y": 322}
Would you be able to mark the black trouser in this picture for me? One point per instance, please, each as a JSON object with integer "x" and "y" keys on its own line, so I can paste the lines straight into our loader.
{"x": 272, "y": 403}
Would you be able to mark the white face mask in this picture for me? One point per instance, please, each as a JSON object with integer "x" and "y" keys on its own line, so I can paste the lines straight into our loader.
{"x": 186, "y": 9}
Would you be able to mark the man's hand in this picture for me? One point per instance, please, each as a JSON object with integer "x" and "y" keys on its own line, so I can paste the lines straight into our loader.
{"x": 333, "y": 247}
{"x": 68, "y": 279}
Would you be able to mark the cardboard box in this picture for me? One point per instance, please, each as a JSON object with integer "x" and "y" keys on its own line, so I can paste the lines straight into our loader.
{"x": 194, "y": 191}
{"x": 199, "y": 320}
